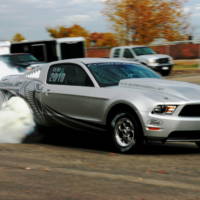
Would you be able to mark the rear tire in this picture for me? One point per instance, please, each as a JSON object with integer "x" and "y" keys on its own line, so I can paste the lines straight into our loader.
{"x": 37, "y": 135}
{"x": 125, "y": 130}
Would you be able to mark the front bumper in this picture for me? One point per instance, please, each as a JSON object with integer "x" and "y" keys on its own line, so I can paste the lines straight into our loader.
{"x": 173, "y": 128}
{"x": 163, "y": 68}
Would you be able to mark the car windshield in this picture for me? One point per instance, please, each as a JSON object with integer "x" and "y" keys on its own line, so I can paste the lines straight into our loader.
{"x": 20, "y": 58}
{"x": 109, "y": 74}
{"x": 140, "y": 51}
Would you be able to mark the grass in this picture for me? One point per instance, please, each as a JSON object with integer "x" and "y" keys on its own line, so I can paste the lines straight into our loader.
{"x": 185, "y": 66}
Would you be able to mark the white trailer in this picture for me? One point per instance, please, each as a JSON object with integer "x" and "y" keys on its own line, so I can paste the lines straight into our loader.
{"x": 52, "y": 50}
{"x": 4, "y": 47}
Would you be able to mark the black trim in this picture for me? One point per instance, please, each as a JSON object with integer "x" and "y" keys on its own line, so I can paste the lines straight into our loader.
{"x": 72, "y": 122}
{"x": 184, "y": 135}
{"x": 190, "y": 111}
{"x": 178, "y": 136}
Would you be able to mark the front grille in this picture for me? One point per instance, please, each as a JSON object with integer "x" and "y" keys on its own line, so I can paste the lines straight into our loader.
{"x": 190, "y": 111}
{"x": 162, "y": 60}
{"x": 184, "y": 135}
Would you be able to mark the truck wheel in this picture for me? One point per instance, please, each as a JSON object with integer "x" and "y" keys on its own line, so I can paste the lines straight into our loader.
{"x": 166, "y": 72}
{"x": 125, "y": 132}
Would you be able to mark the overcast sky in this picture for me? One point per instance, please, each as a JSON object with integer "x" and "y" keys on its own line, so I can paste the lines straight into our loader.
{"x": 31, "y": 17}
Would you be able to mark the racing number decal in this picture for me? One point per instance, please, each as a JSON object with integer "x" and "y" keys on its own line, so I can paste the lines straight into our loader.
{"x": 57, "y": 75}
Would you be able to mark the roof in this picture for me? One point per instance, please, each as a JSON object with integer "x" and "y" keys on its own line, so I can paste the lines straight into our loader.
{"x": 4, "y": 43}
{"x": 58, "y": 40}
{"x": 70, "y": 39}
{"x": 130, "y": 46}
{"x": 94, "y": 60}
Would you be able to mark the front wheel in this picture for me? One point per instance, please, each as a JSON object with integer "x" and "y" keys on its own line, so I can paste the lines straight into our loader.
{"x": 198, "y": 144}
{"x": 125, "y": 131}
{"x": 165, "y": 73}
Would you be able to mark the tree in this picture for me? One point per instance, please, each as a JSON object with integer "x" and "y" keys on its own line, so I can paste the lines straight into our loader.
{"x": 142, "y": 21}
{"x": 103, "y": 39}
{"x": 73, "y": 31}
{"x": 77, "y": 30}
{"x": 92, "y": 39}
{"x": 18, "y": 37}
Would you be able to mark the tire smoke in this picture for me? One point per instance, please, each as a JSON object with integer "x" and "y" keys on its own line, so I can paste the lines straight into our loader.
{"x": 16, "y": 120}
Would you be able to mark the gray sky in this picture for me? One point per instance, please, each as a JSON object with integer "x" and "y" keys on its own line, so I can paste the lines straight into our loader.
{"x": 31, "y": 17}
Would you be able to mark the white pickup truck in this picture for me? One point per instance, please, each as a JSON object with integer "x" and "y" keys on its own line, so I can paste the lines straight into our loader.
{"x": 159, "y": 62}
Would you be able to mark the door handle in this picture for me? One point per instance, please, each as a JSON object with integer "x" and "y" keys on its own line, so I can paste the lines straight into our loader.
{"x": 39, "y": 88}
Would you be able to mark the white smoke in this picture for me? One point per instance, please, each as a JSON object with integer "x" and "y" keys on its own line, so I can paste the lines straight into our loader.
{"x": 16, "y": 120}
{"x": 7, "y": 70}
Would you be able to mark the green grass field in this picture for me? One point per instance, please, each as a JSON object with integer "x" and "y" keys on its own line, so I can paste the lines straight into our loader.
{"x": 186, "y": 65}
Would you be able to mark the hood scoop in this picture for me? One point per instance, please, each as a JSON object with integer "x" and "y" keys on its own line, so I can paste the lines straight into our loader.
{"x": 146, "y": 83}
{"x": 179, "y": 89}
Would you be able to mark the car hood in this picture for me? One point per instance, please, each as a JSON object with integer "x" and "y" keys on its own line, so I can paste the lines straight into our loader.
{"x": 174, "y": 90}
{"x": 154, "y": 56}
{"x": 29, "y": 63}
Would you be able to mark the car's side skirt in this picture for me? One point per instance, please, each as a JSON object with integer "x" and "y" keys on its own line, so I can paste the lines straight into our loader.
{"x": 70, "y": 122}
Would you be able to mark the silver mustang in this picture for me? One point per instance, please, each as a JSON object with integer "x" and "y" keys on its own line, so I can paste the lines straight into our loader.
{"x": 126, "y": 99}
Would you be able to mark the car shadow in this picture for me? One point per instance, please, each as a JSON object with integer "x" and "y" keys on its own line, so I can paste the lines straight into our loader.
{"x": 157, "y": 148}
{"x": 61, "y": 136}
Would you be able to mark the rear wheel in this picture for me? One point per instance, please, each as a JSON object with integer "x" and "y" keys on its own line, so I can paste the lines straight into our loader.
{"x": 126, "y": 135}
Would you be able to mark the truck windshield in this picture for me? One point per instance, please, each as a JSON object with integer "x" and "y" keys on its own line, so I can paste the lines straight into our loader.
{"x": 109, "y": 74}
{"x": 140, "y": 51}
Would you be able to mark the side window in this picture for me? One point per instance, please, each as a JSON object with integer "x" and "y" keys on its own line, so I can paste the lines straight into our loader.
{"x": 127, "y": 54}
{"x": 116, "y": 53}
{"x": 68, "y": 74}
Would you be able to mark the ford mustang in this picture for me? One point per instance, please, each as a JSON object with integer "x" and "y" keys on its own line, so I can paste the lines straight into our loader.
{"x": 125, "y": 99}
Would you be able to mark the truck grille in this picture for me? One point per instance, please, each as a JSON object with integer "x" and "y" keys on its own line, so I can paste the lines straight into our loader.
{"x": 162, "y": 60}
{"x": 190, "y": 111}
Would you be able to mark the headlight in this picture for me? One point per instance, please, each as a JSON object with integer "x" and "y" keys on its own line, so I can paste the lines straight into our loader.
{"x": 164, "y": 109}
{"x": 171, "y": 60}
{"x": 152, "y": 62}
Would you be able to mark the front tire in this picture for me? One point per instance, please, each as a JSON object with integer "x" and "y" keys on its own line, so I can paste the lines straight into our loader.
{"x": 126, "y": 134}
{"x": 165, "y": 73}
{"x": 198, "y": 144}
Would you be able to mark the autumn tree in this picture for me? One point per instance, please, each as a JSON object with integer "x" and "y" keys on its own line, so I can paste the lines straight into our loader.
{"x": 142, "y": 21}
{"x": 103, "y": 39}
{"x": 72, "y": 31}
{"x": 92, "y": 39}
{"x": 18, "y": 37}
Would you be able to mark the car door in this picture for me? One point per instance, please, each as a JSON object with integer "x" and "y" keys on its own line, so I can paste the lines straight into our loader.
{"x": 70, "y": 92}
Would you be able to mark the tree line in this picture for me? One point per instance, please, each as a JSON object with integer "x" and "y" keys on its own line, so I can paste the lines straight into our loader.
{"x": 133, "y": 22}
{"x": 94, "y": 39}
